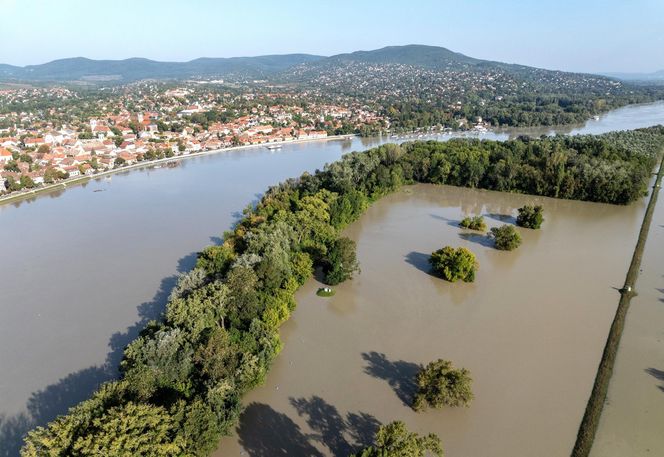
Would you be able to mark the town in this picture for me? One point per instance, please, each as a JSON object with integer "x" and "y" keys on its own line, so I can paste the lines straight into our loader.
{"x": 61, "y": 133}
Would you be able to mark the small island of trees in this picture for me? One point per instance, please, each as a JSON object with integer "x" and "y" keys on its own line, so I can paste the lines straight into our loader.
{"x": 530, "y": 216}
{"x": 454, "y": 264}
{"x": 505, "y": 238}
{"x": 440, "y": 384}
{"x": 473, "y": 223}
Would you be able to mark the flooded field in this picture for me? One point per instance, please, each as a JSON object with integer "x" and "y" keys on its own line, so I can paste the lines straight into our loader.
{"x": 633, "y": 416}
{"x": 530, "y": 329}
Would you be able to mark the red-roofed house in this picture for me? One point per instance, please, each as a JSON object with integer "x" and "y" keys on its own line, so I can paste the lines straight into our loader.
{"x": 5, "y": 156}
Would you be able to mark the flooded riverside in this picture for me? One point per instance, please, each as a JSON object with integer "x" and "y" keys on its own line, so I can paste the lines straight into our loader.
{"x": 530, "y": 329}
{"x": 84, "y": 269}
{"x": 631, "y": 423}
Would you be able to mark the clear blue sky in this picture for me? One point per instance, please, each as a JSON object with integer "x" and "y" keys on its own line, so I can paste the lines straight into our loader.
{"x": 580, "y": 35}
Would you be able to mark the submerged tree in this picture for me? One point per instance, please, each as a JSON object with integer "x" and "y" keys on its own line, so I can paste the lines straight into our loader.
{"x": 454, "y": 264}
{"x": 341, "y": 261}
{"x": 440, "y": 384}
{"x": 473, "y": 223}
{"x": 395, "y": 440}
{"x": 505, "y": 238}
{"x": 530, "y": 216}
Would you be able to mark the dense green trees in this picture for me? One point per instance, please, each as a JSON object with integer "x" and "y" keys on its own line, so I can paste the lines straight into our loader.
{"x": 473, "y": 223}
{"x": 340, "y": 262}
{"x": 219, "y": 334}
{"x": 440, "y": 384}
{"x": 505, "y": 237}
{"x": 530, "y": 216}
{"x": 395, "y": 440}
{"x": 454, "y": 264}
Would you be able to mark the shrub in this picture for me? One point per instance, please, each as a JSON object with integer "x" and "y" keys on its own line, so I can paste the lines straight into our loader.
{"x": 473, "y": 223}
{"x": 530, "y": 216}
{"x": 506, "y": 238}
{"x": 440, "y": 384}
{"x": 395, "y": 440}
{"x": 454, "y": 264}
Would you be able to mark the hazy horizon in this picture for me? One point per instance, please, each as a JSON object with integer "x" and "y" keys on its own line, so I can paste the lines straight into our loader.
{"x": 592, "y": 37}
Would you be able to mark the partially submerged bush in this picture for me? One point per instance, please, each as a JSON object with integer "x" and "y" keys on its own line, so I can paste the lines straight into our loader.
{"x": 473, "y": 223}
{"x": 395, "y": 440}
{"x": 440, "y": 384}
{"x": 506, "y": 238}
{"x": 530, "y": 216}
{"x": 454, "y": 264}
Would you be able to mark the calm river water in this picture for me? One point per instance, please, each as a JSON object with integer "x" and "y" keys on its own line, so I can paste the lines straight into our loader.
{"x": 82, "y": 270}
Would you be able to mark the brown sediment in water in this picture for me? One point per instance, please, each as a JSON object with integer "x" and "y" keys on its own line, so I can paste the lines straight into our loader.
{"x": 530, "y": 329}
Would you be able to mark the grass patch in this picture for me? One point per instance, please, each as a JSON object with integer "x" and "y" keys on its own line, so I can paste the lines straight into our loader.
{"x": 325, "y": 292}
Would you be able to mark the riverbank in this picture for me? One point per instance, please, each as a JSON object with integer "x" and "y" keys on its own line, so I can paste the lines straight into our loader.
{"x": 62, "y": 185}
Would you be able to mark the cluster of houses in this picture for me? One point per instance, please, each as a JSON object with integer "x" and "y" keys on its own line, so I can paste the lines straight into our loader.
{"x": 40, "y": 146}
{"x": 110, "y": 142}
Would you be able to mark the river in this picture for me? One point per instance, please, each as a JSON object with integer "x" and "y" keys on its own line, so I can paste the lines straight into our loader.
{"x": 82, "y": 270}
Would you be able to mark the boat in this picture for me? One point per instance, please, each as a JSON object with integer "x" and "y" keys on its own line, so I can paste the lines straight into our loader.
{"x": 274, "y": 146}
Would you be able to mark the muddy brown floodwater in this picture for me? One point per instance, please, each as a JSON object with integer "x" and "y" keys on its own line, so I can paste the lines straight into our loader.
{"x": 530, "y": 329}
{"x": 631, "y": 424}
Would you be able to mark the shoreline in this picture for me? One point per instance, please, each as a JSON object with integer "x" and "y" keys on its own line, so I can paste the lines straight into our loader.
{"x": 404, "y": 136}
{"x": 65, "y": 184}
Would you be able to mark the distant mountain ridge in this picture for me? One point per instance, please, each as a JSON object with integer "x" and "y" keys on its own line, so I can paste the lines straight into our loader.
{"x": 79, "y": 68}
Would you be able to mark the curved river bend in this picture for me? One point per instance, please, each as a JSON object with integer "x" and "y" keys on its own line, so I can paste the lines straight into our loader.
{"x": 83, "y": 269}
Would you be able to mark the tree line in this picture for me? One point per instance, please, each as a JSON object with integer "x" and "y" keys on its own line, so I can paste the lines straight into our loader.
{"x": 183, "y": 378}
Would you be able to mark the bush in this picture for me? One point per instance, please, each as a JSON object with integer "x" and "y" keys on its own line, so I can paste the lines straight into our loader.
{"x": 506, "y": 238}
{"x": 473, "y": 223}
{"x": 440, "y": 384}
{"x": 530, "y": 216}
{"x": 454, "y": 264}
{"x": 395, "y": 440}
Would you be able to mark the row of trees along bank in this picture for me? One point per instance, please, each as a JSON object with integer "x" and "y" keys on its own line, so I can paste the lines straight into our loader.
{"x": 183, "y": 379}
